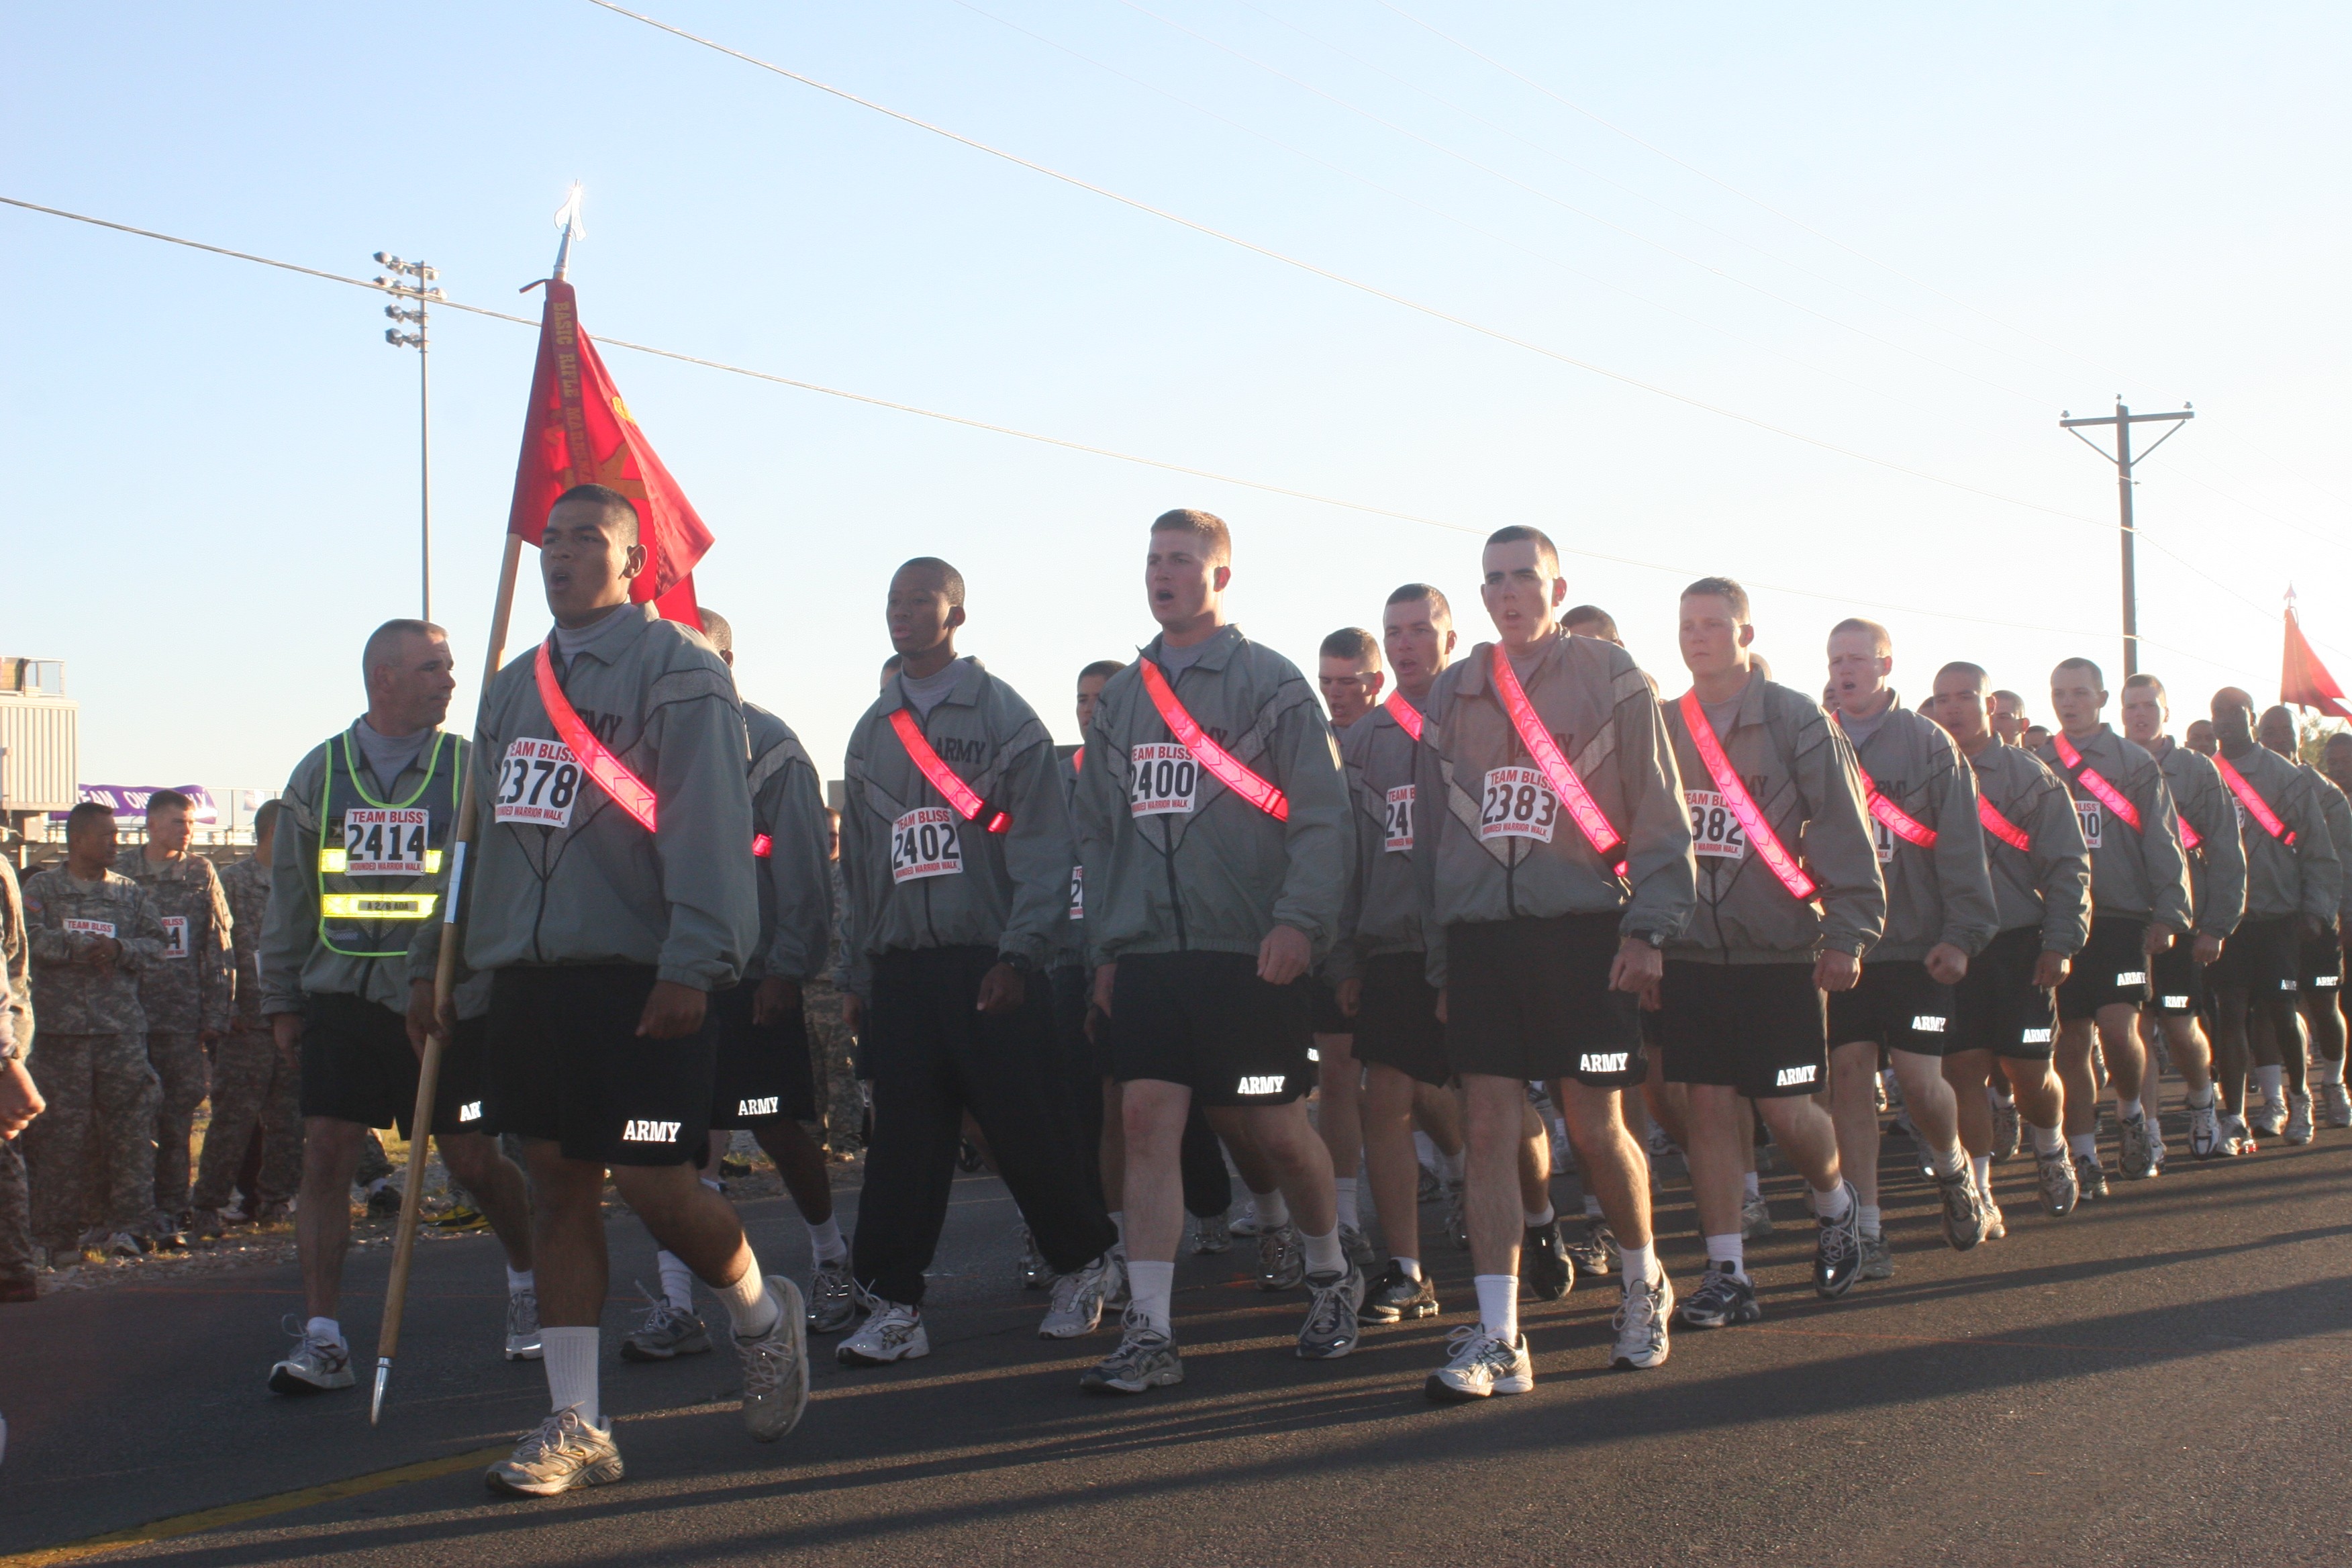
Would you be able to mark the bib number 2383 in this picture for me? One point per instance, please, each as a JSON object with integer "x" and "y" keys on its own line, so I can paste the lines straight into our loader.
{"x": 538, "y": 782}
{"x": 1518, "y": 803}
{"x": 1166, "y": 780}
{"x": 923, "y": 843}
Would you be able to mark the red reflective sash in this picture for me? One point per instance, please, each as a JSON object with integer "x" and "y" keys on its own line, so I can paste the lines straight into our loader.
{"x": 943, "y": 778}
{"x": 2002, "y": 829}
{"x": 761, "y": 846}
{"x": 2256, "y": 807}
{"x": 2189, "y": 837}
{"x": 1768, "y": 844}
{"x": 1207, "y": 753}
{"x": 2108, "y": 795}
{"x": 629, "y": 792}
{"x": 1078, "y": 762}
{"x": 1900, "y": 822}
{"x": 1606, "y": 841}
{"x": 1407, "y": 715}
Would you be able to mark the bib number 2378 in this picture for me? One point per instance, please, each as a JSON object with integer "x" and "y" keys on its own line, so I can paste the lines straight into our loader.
{"x": 923, "y": 843}
{"x": 538, "y": 782}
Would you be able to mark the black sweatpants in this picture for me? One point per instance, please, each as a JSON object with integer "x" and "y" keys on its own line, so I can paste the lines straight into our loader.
{"x": 1208, "y": 1185}
{"x": 933, "y": 1055}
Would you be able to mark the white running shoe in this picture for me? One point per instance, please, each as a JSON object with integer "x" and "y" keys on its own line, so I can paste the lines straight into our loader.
{"x": 2336, "y": 1105}
{"x": 564, "y": 1453}
{"x": 1755, "y": 1218}
{"x": 2268, "y": 1119}
{"x": 2298, "y": 1117}
{"x": 1996, "y": 1225}
{"x": 314, "y": 1365}
{"x": 1077, "y": 1304}
{"x": 892, "y": 1333}
{"x": 666, "y": 1332}
{"x": 1641, "y": 1323}
{"x": 776, "y": 1366}
{"x": 522, "y": 1326}
{"x": 1245, "y": 1222}
{"x": 1479, "y": 1366}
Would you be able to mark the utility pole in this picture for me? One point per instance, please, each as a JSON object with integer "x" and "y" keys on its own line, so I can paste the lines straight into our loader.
{"x": 415, "y": 281}
{"x": 2123, "y": 419}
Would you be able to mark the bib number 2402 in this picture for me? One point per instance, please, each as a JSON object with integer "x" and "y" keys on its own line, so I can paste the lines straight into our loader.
{"x": 924, "y": 843}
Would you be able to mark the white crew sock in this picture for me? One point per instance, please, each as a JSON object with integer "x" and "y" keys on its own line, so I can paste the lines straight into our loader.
{"x": 1947, "y": 1160}
{"x": 1832, "y": 1204}
{"x": 2325, "y": 1071}
{"x": 1450, "y": 1165}
{"x": 1536, "y": 1219}
{"x": 571, "y": 1357}
{"x": 1980, "y": 1167}
{"x": 678, "y": 1280}
{"x": 1592, "y": 1208}
{"x": 1641, "y": 1264}
{"x": 1498, "y": 1306}
{"x": 1730, "y": 1252}
{"x": 1273, "y": 1210}
{"x": 2046, "y": 1140}
{"x": 1871, "y": 1221}
{"x": 520, "y": 1282}
{"x": 1424, "y": 1149}
{"x": 2128, "y": 1110}
{"x": 326, "y": 1331}
{"x": 1411, "y": 1265}
{"x": 749, "y": 1306}
{"x": 825, "y": 1240}
{"x": 1343, "y": 1190}
{"x": 1151, "y": 1285}
{"x": 2083, "y": 1145}
{"x": 1246, "y": 1216}
{"x": 712, "y": 1182}
{"x": 1324, "y": 1253}
{"x": 1999, "y": 1095}
{"x": 2204, "y": 1101}
{"x": 1119, "y": 1224}
{"x": 2274, "y": 1081}
{"x": 1750, "y": 1186}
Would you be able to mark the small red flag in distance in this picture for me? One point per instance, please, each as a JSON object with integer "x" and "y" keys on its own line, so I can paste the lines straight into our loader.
{"x": 2305, "y": 681}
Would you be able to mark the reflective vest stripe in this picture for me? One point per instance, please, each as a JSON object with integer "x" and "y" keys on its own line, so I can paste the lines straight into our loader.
{"x": 2251, "y": 798}
{"x": 1407, "y": 717}
{"x": 627, "y": 791}
{"x": 1591, "y": 820}
{"x": 1900, "y": 822}
{"x": 2002, "y": 829}
{"x": 334, "y": 861}
{"x": 943, "y": 778}
{"x": 1230, "y": 773}
{"x": 2089, "y": 777}
{"x": 378, "y": 906}
{"x": 1768, "y": 844}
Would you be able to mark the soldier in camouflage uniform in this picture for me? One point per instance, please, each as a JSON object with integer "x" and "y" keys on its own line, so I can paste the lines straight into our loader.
{"x": 255, "y": 1085}
{"x": 839, "y": 1098}
{"x": 92, "y": 1156}
{"x": 19, "y": 1100}
{"x": 186, "y": 997}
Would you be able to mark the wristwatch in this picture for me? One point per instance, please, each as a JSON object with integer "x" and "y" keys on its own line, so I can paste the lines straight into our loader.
{"x": 1020, "y": 964}
{"x": 1656, "y": 939}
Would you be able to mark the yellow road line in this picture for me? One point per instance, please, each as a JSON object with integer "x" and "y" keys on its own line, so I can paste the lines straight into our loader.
{"x": 260, "y": 1508}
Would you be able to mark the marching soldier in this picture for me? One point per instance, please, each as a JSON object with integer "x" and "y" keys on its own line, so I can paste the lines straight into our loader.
{"x": 256, "y": 1087}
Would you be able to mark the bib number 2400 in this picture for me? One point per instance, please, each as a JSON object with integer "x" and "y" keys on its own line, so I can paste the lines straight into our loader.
{"x": 538, "y": 782}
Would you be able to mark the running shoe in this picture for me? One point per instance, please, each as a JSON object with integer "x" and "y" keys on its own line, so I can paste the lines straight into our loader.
{"x": 1543, "y": 1265}
{"x": 1755, "y": 1218}
{"x": 1036, "y": 1274}
{"x": 1877, "y": 1258}
{"x": 2157, "y": 1151}
{"x": 2336, "y": 1105}
{"x": 2135, "y": 1156}
{"x": 776, "y": 1366}
{"x": 832, "y": 1297}
{"x": 2298, "y": 1117}
{"x": 1837, "y": 1250}
{"x": 1593, "y": 1249}
{"x": 313, "y": 1367}
{"x": 1281, "y": 1261}
{"x": 1431, "y": 1186}
{"x": 1333, "y": 1300}
{"x": 2237, "y": 1138}
{"x": 1480, "y": 1364}
{"x": 1722, "y": 1299}
{"x": 564, "y": 1453}
{"x": 1115, "y": 1290}
{"x": 2005, "y": 1127}
{"x": 385, "y": 1201}
{"x": 464, "y": 1218}
{"x": 2090, "y": 1179}
{"x": 1145, "y": 1358}
{"x": 102, "y": 1244}
{"x": 665, "y": 1333}
{"x": 1660, "y": 1146}
{"x": 968, "y": 1158}
{"x": 2205, "y": 1133}
{"x": 2060, "y": 1191}
{"x": 1996, "y": 1224}
{"x": 1077, "y": 1304}
{"x": 1964, "y": 1209}
{"x": 1641, "y": 1324}
{"x": 1396, "y": 1296}
{"x": 1457, "y": 1217}
{"x": 892, "y": 1333}
{"x": 1357, "y": 1246}
{"x": 1212, "y": 1237}
{"x": 1245, "y": 1222}
{"x": 522, "y": 1326}
{"x": 204, "y": 1224}
{"x": 2268, "y": 1119}
{"x": 166, "y": 1232}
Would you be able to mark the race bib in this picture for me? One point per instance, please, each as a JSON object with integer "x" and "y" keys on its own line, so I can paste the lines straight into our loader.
{"x": 386, "y": 842}
{"x": 175, "y": 935}
{"x": 1882, "y": 838}
{"x": 1078, "y": 892}
{"x": 538, "y": 782}
{"x": 1715, "y": 827}
{"x": 1396, "y": 833}
{"x": 1165, "y": 779}
{"x": 1518, "y": 803}
{"x": 90, "y": 928}
{"x": 2087, "y": 813}
{"x": 923, "y": 843}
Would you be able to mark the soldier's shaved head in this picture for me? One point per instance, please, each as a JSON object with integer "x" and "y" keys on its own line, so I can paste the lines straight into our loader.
{"x": 934, "y": 572}
{"x": 384, "y": 644}
{"x": 618, "y": 508}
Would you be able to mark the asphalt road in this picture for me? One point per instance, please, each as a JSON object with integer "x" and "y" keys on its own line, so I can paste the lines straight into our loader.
{"x": 2162, "y": 1379}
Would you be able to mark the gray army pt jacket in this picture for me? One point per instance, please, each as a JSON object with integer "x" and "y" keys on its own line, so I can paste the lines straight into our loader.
{"x": 1798, "y": 768}
{"x": 1177, "y": 862}
{"x": 1492, "y": 843}
{"x": 1935, "y": 893}
{"x": 2136, "y": 876}
{"x": 917, "y": 874}
{"x": 2337, "y": 809}
{"x": 2048, "y": 883}
{"x": 578, "y": 880}
{"x": 795, "y": 876}
{"x": 66, "y": 921}
{"x": 1383, "y": 910}
{"x": 191, "y": 990}
{"x": 2304, "y": 878}
{"x": 2217, "y": 866}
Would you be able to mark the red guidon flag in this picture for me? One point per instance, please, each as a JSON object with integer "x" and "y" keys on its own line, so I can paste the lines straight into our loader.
{"x": 578, "y": 432}
{"x": 2305, "y": 681}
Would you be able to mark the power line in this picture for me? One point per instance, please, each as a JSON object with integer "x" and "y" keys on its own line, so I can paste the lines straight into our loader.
{"x": 1366, "y": 509}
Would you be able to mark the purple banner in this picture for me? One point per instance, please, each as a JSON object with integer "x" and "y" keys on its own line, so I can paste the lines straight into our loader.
{"x": 130, "y": 802}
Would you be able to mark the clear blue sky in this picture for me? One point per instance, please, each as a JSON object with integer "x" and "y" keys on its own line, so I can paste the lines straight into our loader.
{"x": 1999, "y": 213}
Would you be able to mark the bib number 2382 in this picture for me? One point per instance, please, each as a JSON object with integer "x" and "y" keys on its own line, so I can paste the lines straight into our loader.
{"x": 1518, "y": 803}
{"x": 1165, "y": 781}
{"x": 1715, "y": 827}
{"x": 538, "y": 782}
{"x": 923, "y": 843}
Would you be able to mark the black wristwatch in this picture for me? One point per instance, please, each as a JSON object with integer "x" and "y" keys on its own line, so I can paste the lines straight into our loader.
{"x": 1656, "y": 939}
{"x": 1020, "y": 964}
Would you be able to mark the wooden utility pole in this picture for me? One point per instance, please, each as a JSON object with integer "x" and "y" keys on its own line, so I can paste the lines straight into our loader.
{"x": 2123, "y": 419}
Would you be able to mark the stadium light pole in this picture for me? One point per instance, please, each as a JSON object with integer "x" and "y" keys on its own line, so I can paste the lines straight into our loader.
{"x": 413, "y": 281}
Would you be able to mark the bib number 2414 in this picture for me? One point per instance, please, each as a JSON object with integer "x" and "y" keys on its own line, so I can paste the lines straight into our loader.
{"x": 538, "y": 782}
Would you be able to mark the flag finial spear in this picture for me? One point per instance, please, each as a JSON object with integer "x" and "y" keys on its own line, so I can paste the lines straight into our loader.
{"x": 567, "y": 219}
